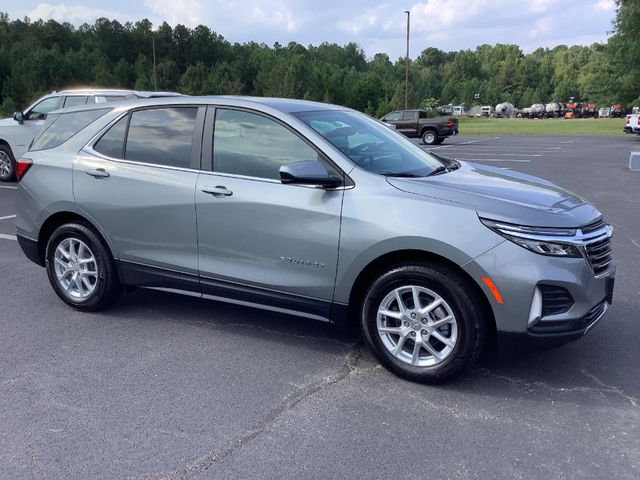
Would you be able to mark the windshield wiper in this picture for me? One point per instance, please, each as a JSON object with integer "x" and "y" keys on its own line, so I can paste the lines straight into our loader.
{"x": 438, "y": 171}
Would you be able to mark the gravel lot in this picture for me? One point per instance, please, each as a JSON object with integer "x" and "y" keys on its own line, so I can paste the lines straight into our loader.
{"x": 166, "y": 386}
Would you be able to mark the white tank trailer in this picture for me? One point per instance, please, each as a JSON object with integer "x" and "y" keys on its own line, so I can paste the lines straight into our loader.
{"x": 554, "y": 110}
{"x": 538, "y": 110}
{"x": 504, "y": 110}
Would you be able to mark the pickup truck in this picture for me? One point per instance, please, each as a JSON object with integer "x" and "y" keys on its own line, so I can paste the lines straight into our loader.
{"x": 633, "y": 124}
{"x": 417, "y": 124}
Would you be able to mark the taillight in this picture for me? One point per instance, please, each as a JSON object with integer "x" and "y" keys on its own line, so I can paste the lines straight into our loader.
{"x": 638, "y": 119}
{"x": 629, "y": 119}
{"x": 22, "y": 167}
{"x": 450, "y": 123}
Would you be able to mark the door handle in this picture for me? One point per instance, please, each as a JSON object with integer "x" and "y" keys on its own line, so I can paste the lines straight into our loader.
{"x": 97, "y": 173}
{"x": 217, "y": 191}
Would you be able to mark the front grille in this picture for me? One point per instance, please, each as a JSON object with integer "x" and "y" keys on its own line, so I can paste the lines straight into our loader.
{"x": 555, "y": 300}
{"x": 599, "y": 255}
{"x": 592, "y": 227}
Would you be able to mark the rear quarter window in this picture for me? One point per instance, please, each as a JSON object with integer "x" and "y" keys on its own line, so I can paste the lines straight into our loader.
{"x": 62, "y": 126}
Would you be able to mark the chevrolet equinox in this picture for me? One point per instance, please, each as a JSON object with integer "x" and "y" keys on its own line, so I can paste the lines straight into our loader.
{"x": 314, "y": 210}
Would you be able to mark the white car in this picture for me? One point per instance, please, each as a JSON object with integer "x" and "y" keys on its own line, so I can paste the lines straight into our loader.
{"x": 17, "y": 133}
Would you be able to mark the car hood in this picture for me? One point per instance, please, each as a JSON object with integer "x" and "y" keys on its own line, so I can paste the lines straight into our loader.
{"x": 7, "y": 122}
{"x": 504, "y": 195}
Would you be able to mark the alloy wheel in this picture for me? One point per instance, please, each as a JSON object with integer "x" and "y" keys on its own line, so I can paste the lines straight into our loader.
{"x": 417, "y": 326}
{"x": 76, "y": 268}
{"x": 6, "y": 168}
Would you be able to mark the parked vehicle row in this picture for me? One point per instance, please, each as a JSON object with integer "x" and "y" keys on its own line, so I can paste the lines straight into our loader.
{"x": 16, "y": 134}
{"x": 313, "y": 210}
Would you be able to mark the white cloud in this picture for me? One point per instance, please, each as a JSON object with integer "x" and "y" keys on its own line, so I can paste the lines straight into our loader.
{"x": 605, "y": 5}
{"x": 186, "y": 12}
{"x": 543, "y": 27}
{"x": 225, "y": 14}
{"x": 372, "y": 17}
{"x": 75, "y": 14}
{"x": 540, "y": 6}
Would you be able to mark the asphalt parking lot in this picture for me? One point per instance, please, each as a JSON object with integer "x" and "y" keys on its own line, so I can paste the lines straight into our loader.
{"x": 166, "y": 386}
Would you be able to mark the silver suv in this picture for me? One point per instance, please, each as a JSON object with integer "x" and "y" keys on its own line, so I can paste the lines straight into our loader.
{"x": 314, "y": 210}
{"x": 17, "y": 133}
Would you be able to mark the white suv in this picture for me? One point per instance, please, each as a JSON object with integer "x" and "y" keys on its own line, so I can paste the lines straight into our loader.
{"x": 17, "y": 133}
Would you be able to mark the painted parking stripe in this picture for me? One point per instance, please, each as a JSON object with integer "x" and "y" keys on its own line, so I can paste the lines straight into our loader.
{"x": 8, "y": 217}
{"x": 503, "y": 154}
{"x": 516, "y": 160}
{"x": 9, "y": 187}
{"x": 8, "y": 237}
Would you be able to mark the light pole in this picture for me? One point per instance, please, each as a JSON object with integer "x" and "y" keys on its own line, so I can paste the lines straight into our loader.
{"x": 406, "y": 67}
{"x": 155, "y": 72}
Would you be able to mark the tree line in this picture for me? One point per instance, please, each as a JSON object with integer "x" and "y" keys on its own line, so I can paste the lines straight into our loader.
{"x": 37, "y": 57}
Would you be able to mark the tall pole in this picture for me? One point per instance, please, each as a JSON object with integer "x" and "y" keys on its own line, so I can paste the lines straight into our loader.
{"x": 406, "y": 66}
{"x": 155, "y": 74}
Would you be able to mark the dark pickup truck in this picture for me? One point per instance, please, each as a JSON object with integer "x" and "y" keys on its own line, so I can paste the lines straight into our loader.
{"x": 416, "y": 124}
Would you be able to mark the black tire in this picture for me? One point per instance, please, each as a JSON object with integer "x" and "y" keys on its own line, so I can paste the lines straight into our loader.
{"x": 460, "y": 297}
{"x": 7, "y": 155}
{"x": 107, "y": 287}
{"x": 429, "y": 137}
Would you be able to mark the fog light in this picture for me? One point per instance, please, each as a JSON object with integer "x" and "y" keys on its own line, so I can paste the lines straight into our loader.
{"x": 535, "y": 312}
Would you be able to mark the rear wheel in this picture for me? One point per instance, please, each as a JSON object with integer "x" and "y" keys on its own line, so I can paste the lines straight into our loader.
{"x": 429, "y": 137}
{"x": 423, "y": 322}
{"x": 7, "y": 164}
{"x": 81, "y": 269}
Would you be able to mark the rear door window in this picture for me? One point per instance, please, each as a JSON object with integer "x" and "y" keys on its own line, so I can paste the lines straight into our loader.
{"x": 75, "y": 100}
{"x": 162, "y": 136}
{"x": 409, "y": 115}
{"x": 111, "y": 143}
{"x": 62, "y": 126}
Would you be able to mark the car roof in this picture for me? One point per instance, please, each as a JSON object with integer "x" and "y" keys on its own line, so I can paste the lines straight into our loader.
{"x": 286, "y": 105}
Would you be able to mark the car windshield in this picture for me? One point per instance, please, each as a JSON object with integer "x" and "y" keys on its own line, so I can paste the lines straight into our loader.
{"x": 370, "y": 144}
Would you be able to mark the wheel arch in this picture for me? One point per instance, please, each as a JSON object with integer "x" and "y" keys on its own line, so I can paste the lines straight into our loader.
{"x": 60, "y": 218}
{"x": 387, "y": 260}
{"x": 6, "y": 142}
{"x": 426, "y": 128}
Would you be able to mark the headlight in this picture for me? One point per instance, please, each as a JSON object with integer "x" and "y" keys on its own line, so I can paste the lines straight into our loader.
{"x": 541, "y": 240}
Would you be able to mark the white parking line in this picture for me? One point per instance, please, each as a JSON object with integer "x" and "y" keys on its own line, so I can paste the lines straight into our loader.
{"x": 502, "y": 154}
{"x": 8, "y": 187}
{"x": 7, "y": 217}
{"x": 8, "y": 237}
{"x": 516, "y": 160}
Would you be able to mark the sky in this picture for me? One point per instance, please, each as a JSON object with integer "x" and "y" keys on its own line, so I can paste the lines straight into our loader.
{"x": 377, "y": 26}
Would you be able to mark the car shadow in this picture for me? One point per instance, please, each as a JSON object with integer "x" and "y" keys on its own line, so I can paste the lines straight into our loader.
{"x": 506, "y": 371}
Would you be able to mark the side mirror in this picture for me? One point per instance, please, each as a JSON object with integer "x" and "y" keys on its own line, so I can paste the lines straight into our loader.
{"x": 308, "y": 172}
{"x": 18, "y": 117}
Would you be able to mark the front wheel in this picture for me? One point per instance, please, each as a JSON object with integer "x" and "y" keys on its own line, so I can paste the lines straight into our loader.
{"x": 429, "y": 137}
{"x": 81, "y": 269}
{"x": 423, "y": 322}
{"x": 7, "y": 164}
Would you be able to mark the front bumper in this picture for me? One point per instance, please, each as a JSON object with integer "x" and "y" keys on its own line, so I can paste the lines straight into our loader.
{"x": 517, "y": 272}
